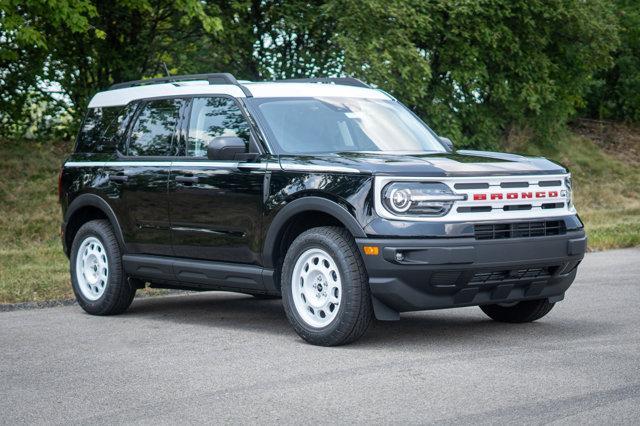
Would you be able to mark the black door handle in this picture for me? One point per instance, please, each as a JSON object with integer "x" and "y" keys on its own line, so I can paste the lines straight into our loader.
{"x": 118, "y": 178}
{"x": 188, "y": 180}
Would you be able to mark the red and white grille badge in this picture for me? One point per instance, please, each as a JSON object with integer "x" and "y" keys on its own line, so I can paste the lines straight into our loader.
{"x": 529, "y": 195}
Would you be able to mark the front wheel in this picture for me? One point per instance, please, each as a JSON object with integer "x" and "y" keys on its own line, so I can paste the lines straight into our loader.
{"x": 98, "y": 281}
{"x": 325, "y": 288}
{"x": 526, "y": 311}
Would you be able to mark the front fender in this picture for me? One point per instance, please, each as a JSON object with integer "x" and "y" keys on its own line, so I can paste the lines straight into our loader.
{"x": 306, "y": 204}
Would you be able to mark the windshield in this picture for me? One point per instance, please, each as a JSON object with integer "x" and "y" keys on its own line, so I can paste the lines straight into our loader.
{"x": 323, "y": 125}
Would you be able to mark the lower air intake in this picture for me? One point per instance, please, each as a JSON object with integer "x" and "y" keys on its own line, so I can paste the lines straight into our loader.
{"x": 497, "y": 231}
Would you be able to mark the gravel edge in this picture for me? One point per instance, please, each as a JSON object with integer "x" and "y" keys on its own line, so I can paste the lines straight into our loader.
{"x": 44, "y": 304}
{"x": 9, "y": 307}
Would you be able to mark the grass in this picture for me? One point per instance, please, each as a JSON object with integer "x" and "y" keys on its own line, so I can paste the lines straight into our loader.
{"x": 32, "y": 264}
{"x": 606, "y": 178}
{"x": 33, "y": 267}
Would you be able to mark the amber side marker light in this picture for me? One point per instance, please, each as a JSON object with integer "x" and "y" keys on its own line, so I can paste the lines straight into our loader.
{"x": 371, "y": 250}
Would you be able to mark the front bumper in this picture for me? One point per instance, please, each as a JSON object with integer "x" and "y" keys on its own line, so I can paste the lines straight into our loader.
{"x": 421, "y": 274}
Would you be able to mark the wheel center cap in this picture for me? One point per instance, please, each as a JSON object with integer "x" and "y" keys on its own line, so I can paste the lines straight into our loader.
{"x": 91, "y": 270}
{"x": 316, "y": 292}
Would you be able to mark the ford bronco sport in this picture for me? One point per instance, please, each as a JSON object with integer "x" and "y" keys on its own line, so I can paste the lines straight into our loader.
{"x": 326, "y": 192}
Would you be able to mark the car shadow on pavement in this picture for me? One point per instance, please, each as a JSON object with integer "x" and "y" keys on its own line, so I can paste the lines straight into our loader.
{"x": 215, "y": 309}
{"x": 465, "y": 326}
{"x": 435, "y": 329}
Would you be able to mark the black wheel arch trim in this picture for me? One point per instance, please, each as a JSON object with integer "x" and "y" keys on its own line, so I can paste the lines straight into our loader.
{"x": 300, "y": 205}
{"x": 93, "y": 200}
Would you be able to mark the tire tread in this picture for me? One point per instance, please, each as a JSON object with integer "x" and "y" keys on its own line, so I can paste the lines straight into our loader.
{"x": 353, "y": 322}
{"x": 119, "y": 292}
{"x": 525, "y": 311}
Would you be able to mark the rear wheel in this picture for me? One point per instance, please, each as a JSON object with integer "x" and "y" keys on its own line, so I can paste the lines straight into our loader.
{"x": 98, "y": 281}
{"x": 325, "y": 288}
{"x": 526, "y": 311}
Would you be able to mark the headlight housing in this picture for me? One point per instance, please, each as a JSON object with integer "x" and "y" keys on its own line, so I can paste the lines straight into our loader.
{"x": 418, "y": 199}
{"x": 568, "y": 184}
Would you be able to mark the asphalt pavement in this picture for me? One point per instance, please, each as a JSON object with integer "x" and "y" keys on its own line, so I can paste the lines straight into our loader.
{"x": 230, "y": 358}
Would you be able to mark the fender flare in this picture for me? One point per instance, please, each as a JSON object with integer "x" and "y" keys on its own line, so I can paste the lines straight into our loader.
{"x": 93, "y": 200}
{"x": 312, "y": 203}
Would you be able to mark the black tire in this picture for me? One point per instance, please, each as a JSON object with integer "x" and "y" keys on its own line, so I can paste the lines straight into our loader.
{"x": 355, "y": 310}
{"x": 118, "y": 291}
{"x": 526, "y": 311}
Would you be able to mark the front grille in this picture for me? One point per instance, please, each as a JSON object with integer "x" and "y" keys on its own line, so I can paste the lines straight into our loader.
{"x": 504, "y": 275}
{"x": 498, "y": 231}
{"x": 489, "y": 197}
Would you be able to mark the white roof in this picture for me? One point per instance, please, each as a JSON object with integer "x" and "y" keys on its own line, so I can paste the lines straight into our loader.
{"x": 259, "y": 90}
{"x": 293, "y": 90}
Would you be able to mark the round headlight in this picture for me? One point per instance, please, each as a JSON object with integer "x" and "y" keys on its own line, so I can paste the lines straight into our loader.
{"x": 400, "y": 199}
{"x": 407, "y": 199}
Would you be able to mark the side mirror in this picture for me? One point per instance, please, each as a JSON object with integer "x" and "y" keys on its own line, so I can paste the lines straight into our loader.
{"x": 226, "y": 148}
{"x": 447, "y": 143}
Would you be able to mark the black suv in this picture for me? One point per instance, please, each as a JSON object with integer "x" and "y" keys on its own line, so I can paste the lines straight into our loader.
{"x": 326, "y": 192}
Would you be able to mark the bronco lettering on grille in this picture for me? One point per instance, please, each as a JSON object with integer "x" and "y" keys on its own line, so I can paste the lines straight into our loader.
{"x": 515, "y": 195}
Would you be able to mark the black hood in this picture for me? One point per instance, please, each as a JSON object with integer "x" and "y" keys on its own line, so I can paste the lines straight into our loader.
{"x": 458, "y": 163}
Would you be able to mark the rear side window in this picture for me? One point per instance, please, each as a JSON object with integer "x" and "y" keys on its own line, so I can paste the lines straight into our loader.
{"x": 154, "y": 130}
{"x": 213, "y": 117}
{"x": 102, "y": 129}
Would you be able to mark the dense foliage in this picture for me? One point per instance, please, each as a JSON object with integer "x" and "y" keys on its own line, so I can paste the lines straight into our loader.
{"x": 55, "y": 54}
{"x": 475, "y": 69}
{"x": 478, "y": 68}
{"x": 615, "y": 93}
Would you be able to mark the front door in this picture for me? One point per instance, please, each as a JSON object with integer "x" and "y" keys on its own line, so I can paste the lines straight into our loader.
{"x": 215, "y": 207}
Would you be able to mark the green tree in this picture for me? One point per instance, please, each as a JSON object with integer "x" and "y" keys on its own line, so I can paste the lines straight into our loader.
{"x": 475, "y": 69}
{"x": 81, "y": 46}
{"x": 269, "y": 39}
{"x": 615, "y": 93}
{"x": 23, "y": 55}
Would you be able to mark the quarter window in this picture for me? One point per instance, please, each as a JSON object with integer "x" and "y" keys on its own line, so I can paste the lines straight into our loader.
{"x": 103, "y": 129}
{"x": 155, "y": 128}
{"x": 213, "y": 117}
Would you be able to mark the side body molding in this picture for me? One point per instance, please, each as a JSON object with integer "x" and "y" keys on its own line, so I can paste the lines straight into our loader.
{"x": 93, "y": 200}
{"x": 301, "y": 205}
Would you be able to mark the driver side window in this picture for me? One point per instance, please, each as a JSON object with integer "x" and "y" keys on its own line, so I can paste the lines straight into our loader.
{"x": 212, "y": 117}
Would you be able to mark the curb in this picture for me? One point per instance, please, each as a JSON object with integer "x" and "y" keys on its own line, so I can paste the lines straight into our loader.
{"x": 8, "y": 307}
{"x": 44, "y": 304}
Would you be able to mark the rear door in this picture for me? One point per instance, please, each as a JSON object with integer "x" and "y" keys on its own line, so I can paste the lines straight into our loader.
{"x": 150, "y": 147}
{"x": 215, "y": 206}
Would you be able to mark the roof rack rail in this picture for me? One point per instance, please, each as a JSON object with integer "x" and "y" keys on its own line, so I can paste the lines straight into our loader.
{"x": 213, "y": 78}
{"x": 344, "y": 81}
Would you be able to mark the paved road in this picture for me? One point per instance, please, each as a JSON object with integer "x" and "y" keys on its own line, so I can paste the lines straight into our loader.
{"x": 218, "y": 357}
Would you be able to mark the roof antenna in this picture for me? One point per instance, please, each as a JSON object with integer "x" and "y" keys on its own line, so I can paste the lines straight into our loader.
{"x": 166, "y": 70}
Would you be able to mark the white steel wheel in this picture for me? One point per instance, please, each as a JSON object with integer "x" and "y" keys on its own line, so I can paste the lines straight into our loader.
{"x": 316, "y": 288}
{"x": 92, "y": 268}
